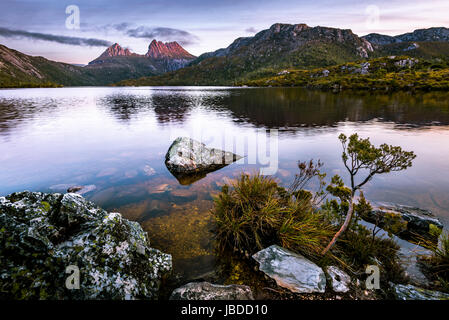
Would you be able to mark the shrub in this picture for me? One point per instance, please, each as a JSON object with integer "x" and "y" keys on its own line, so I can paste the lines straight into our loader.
{"x": 255, "y": 212}
{"x": 358, "y": 248}
{"x": 437, "y": 265}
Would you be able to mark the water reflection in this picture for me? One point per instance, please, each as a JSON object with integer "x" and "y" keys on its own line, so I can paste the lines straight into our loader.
{"x": 289, "y": 109}
{"x": 292, "y": 108}
{"x": 172, "y": 107}
{"x": 116, "y": 140}
{"x": 14, "y": 112}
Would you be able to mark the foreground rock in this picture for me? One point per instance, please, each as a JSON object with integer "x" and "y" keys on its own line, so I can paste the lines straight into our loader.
{"x": 187, "y": 157}
{"x": 209, "y": 291}
{"x": 418, "y": 221}
{"x": 42, "y": 234}
{"x": 339, "y": 279}
{"x": 291, "y": 270}
{"x": 409, "y": 292}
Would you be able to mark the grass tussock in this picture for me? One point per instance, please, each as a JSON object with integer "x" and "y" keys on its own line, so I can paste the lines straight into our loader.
{"x": 437, "y": 264}
{"x": 255, "y": 212}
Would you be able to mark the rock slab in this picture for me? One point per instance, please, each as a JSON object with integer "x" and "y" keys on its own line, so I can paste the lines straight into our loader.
{"x": 291, "y": 270}
{"x": 209, "y": 291}
{"x": 410, "y": 292}
{"x": 43, "y": 234}
{"x": 418, "y": 220}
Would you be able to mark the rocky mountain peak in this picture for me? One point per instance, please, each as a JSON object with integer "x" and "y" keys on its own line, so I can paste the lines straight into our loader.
{"x": 430, "y": 34}
{"x": 170, "y": 50}
{"x": 438, "y": 34}
{"x": 116, "y": 50}
{"x": 278, "y": 27}
{"x": 291, "y": 38}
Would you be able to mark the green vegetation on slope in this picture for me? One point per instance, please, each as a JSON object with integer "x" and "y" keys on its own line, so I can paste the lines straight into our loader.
{"x": 382, "y": 74}
{"x": 244, "y": 66}
{"x": 424, "y": 50}
{"x": 20, "y": 70}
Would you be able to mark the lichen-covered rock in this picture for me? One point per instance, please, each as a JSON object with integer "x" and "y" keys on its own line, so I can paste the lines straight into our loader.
{"x": 42, "y": 234}
{"x": 418, "y": 221}
{"x": 339, "y": 279}
{"x": 209, "y": 291}
{"x": 409, "y": 292}
{"x": 187, "y": 156}
{"x": 291, "y": 270}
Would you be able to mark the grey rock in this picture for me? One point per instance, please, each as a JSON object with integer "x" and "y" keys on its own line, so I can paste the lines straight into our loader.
{"x": 209, "y": 291}
{"x": 82, "y": 189}
{"x": 418, "y": 220}
{"x": 42, "y": 234}
{"x": 408, "y": 257}
{"x": 283, "y": 72}
{"x": 410, "y": 62}
{"x": 291, "y": 270}
{"x": 408, "y": 260}
{"x": 339, "y": 279}
{"x": 410, "y": 292}
{"x": 188, "y": 156}
{"x": 413, "y": 46}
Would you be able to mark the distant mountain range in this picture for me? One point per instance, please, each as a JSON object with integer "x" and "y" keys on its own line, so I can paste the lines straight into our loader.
{"x": 299, "y": 46}
{"x": 280, "y": 47}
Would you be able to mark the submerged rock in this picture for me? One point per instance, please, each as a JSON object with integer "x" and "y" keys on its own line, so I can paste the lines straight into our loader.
{"x": 43, "y": 234}
{"x": 291, "y": 270}
{"x": 82, "y": 189}
{"x": 187, "y": 157}
{"x": 149, "y": 171}
{"x": 408, "y": 260}
{"x": 410, "y": 292}
{"x": 339, "y": 279}
{"x": 418, "y": 221}
{"x": 209, "y": 291}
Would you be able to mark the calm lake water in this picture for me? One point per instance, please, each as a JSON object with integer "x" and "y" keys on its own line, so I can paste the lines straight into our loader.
{"x": 115, "y": 139}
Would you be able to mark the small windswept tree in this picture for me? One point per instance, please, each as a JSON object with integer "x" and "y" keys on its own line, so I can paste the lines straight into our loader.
{"x": 360, "y": 156}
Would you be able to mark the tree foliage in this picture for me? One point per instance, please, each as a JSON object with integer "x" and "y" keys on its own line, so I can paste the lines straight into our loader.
{"x": 360, "y": 156}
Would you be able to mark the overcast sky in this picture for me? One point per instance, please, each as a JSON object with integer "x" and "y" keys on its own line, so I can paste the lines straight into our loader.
{"x": 39, "y": 27}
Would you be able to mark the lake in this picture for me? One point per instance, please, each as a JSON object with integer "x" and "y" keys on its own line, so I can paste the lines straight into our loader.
{"x": 114, "y": 140}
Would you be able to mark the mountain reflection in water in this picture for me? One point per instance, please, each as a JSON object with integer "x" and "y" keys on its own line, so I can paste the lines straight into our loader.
{"x": 116, "y": 139}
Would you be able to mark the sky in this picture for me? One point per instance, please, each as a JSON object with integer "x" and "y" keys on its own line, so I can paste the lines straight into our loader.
{"x": 52, "y": 28}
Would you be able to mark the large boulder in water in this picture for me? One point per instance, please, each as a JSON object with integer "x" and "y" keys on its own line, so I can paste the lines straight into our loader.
{"x": 187, "y": 158}
{"x": 42, "y": 234}
{"x": 291, "y": 270}
{"x": 209, "y": 291}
